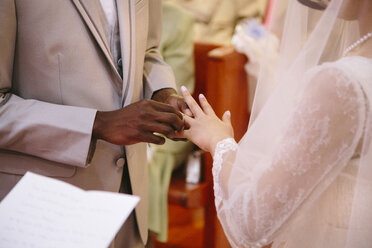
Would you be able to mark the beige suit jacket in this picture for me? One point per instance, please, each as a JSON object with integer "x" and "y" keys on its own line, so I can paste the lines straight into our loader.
{"x": 56, "y": 71}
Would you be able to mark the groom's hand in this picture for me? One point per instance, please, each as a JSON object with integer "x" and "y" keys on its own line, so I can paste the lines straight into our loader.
{"x": 169, "y": 96}
{"x": 138, "y": 122}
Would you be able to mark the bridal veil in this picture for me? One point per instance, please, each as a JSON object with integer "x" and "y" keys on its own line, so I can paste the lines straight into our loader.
{"x": 310, "y": 180}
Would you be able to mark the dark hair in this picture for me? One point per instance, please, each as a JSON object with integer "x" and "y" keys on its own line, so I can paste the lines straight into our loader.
{"x": 315, "y": 4}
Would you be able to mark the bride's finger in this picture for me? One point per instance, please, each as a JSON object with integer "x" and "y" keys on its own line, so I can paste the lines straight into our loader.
{"x": 187, "y": 134}
{"x": 227, "y": 117}
{"x": 207, "y": 108}
{"x": 188, "y": 112}
{"x": 188, "y": 120}
{"x": 193, "y": 105}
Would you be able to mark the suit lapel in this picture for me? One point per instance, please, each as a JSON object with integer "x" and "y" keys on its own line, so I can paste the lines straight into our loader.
{"x": 92, "y": 14}
{"x": 126, "y": 25}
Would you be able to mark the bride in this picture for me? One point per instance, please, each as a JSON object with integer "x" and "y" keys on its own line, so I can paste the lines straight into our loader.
{"x": 302, "y": 174}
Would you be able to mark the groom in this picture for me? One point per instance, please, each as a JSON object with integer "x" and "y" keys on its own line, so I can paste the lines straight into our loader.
{"x": 72, "y": 78}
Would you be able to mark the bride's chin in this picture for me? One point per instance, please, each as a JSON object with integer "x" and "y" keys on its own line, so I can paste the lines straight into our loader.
{"x": 349, "y": 10}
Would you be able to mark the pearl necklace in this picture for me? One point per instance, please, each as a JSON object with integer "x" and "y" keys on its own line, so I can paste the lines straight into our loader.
{"x": 357, "y": 43}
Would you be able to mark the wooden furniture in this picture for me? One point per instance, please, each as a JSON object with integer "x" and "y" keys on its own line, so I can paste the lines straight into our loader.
{"x": 190, "y": 195}
{"x": 220, "y": 76}
{"x": 226, "y": 89}
{"x": 187, "y": 195}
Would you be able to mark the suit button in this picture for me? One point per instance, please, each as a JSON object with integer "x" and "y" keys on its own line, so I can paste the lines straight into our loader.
{"x": 120, "y": 63}
{"x": 120, "y": 162}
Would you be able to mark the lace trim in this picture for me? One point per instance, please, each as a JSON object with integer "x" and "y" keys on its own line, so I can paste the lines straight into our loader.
{"x": 222, "y": 147}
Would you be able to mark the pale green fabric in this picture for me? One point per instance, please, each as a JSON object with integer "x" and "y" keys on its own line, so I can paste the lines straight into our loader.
{"x": 164, "y": 159}
{"x": 177, "y": 49}
{"x": 216, "y": 19}
{"x": 176, "y": 46}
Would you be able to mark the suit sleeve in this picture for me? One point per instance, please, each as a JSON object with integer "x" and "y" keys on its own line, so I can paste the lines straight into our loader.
{"x": 157, "y": 74}
{"x": 49, "y": 131}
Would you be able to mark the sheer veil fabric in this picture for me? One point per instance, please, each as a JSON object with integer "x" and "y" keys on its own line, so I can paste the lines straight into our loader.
{"x": 302, "y": 174}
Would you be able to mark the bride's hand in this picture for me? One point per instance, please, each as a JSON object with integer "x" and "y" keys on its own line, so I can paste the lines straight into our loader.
{"x": 205, "y": 129}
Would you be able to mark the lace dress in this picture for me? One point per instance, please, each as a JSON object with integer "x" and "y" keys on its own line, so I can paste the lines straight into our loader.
{"x": 300, "y": 194}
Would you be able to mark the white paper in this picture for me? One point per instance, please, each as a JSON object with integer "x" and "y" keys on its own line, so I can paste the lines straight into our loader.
{"x": 44, "y": 212}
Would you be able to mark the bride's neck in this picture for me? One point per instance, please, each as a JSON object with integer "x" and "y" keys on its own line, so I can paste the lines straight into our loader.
{"x": 365, "y": 17}
{"x": 365, "y": 26}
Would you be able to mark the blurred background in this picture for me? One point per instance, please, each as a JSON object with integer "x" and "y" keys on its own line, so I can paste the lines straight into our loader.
{"x": 214, "y": 48}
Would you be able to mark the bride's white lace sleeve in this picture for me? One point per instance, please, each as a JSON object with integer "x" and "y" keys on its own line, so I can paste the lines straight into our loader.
{"x": 255, "y": 201}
